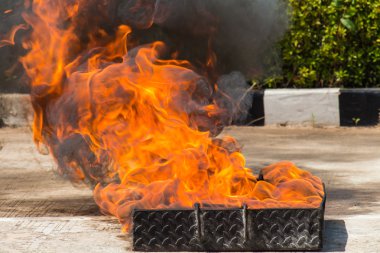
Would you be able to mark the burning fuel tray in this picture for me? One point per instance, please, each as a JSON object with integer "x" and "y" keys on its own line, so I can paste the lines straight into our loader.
{"x": 229, "y": 229}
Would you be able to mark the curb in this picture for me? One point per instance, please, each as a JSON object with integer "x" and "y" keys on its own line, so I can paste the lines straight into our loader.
{"x": 15, "y": 110}
{"x": 316, "y": 107}
{"x": 305, "y": 107}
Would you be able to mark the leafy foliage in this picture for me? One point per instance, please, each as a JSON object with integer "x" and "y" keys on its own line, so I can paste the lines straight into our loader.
{"x": 331, "y": 43}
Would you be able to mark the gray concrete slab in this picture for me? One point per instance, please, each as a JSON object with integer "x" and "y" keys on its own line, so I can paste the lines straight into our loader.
{"x": 41, "y": 212}
{"x": 15, "y": 110}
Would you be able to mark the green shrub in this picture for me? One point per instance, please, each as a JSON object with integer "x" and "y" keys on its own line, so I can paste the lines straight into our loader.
{"x": 331, "y": 43}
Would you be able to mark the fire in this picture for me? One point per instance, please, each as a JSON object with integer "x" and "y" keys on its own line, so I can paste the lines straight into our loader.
{"x": 10, "y": 37}
{"x": 132, "y": 125}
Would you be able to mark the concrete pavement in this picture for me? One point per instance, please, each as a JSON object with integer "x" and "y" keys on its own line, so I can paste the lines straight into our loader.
{"x": 41, "y": 212}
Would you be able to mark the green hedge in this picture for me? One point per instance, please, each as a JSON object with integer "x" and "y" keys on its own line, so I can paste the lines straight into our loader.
{"x": 331, "y": 43}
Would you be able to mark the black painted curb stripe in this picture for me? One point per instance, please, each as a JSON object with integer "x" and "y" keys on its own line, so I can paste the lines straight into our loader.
{"x": 359, "y": 107}
{"x": 256, "y": 115}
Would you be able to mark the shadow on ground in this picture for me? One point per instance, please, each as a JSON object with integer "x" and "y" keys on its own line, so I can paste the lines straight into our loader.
{"x": 335, "y": 237}
{"x": 52, "y": 207}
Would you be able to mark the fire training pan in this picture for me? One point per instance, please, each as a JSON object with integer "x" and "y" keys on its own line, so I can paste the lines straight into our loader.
{"x": 201, "y": 229}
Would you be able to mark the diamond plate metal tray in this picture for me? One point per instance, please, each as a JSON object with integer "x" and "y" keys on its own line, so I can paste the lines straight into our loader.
{"x": 241, "y": 229}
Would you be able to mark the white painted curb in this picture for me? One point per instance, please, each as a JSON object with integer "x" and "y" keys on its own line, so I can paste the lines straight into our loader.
{"x": 302, "y": 107}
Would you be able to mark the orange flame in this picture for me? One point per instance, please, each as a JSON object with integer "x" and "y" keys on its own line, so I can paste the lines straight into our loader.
{"x": 10, "y": 37}
{"x": 126, "y": 122}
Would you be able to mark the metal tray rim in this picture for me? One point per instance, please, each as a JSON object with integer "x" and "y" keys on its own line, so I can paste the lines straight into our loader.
{"x": 321, "y": 207}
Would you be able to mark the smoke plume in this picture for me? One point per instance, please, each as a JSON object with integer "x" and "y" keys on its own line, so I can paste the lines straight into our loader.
{"x": 228, "y": 36}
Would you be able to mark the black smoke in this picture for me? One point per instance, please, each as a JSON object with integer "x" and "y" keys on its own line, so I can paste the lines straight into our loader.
{"x": 241, "y": 33}
{"x": 228, "y": 41}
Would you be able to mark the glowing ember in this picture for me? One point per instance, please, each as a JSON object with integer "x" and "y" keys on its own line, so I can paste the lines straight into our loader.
{"x": 131, "y": 124}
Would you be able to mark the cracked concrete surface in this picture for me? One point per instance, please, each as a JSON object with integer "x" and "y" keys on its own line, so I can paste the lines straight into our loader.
{"x": 41, "y": 212}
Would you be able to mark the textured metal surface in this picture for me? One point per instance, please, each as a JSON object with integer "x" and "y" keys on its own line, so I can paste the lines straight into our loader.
{"x": 165, "y": 231}
{"x": 228, "y": 230}
{"x": 286, "y": 229}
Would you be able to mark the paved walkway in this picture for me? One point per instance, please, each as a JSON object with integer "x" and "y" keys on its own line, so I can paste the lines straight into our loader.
{"x": 41, "y": 212}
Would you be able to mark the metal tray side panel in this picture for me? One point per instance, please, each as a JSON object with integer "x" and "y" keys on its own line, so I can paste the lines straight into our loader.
{"x": 171, "y": 230}
{"x": 223, "y": 229}
{"x": 285, "y": 229}
{"x": 229, "y": 229}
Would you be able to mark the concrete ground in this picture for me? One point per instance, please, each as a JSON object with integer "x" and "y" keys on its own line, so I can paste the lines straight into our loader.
{"x": 41, "y": 212}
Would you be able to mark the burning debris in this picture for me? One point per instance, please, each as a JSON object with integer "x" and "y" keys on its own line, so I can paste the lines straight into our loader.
{"x": 124, "y": 113}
